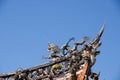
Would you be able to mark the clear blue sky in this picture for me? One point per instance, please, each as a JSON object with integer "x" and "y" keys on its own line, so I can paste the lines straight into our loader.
{"x": 26, "y": 27}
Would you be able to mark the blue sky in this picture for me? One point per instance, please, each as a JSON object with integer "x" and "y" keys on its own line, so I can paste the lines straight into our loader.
{"x": 26, "y": 27}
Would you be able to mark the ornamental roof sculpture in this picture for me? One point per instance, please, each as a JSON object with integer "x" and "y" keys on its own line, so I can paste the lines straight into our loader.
{"x": 66, "y": 63}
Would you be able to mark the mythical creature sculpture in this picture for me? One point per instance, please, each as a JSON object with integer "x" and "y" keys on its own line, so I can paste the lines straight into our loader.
{"x": 72, "y": 64}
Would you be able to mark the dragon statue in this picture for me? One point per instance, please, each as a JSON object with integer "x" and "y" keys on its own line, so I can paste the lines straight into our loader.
{"x": 66, "y": 63}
